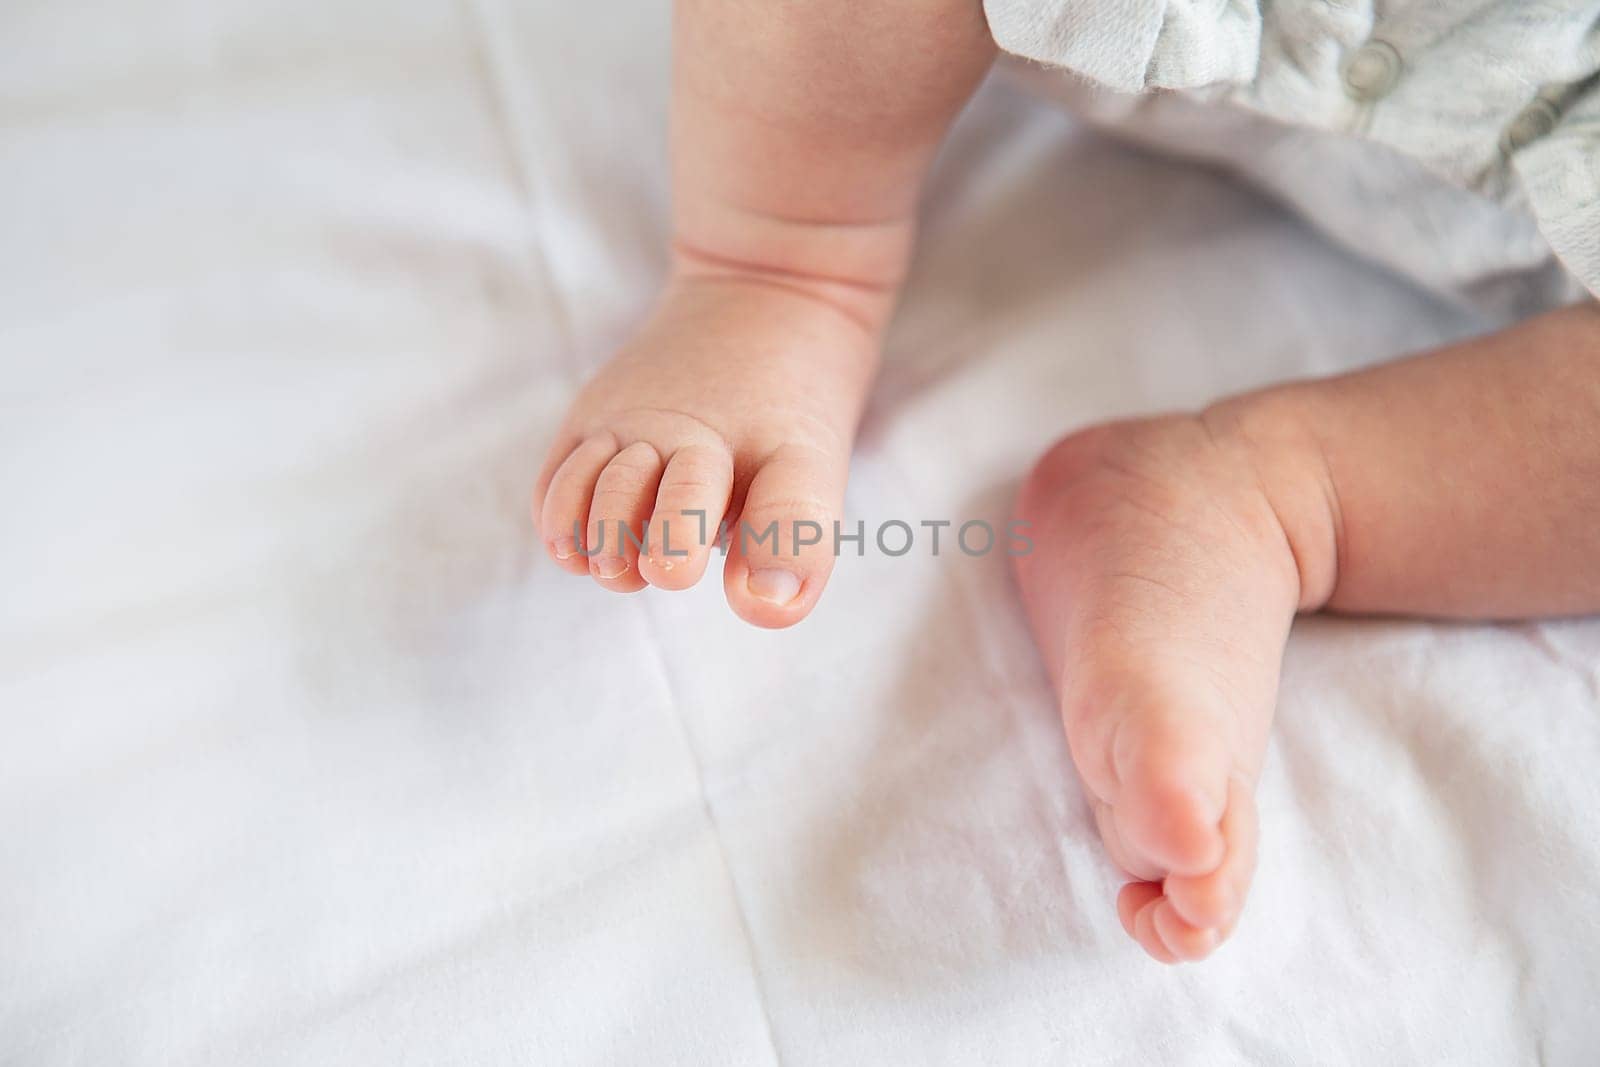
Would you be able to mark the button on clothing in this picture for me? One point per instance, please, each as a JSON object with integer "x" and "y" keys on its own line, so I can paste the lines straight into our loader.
{"x": 1372, "y": 70}
{"x": 1536, "y": 120}
{"x": 1457, "y": 142}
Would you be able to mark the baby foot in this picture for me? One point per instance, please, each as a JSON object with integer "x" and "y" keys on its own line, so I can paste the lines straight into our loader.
{"x": 1161, "y": 589}
{"x": 737, "y": 400}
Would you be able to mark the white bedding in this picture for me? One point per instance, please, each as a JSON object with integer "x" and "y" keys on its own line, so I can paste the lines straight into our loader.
{"x": 307, "y": 757}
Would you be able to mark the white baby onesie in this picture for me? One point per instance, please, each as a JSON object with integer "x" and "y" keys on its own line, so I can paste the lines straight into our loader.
{"x": 1457, "y": 141}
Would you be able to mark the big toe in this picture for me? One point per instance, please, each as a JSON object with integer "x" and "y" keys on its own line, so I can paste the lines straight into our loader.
{"x": 1185, "y": 917}
{"x": 1172, "y": 770}
{"x": 1214, "y": 899}
{"x": 782, "y": 548}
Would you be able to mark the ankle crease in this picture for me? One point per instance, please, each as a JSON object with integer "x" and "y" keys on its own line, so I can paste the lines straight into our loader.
{"x": 866, "y": 303}
{"x": 1295, "y": 481}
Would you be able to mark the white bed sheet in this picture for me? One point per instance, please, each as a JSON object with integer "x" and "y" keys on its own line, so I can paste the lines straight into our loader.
{"x": 306, "y": 757}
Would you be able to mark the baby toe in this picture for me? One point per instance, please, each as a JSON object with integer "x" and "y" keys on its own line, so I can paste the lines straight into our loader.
{"x": 563, "y": 508}
{"x": 1144, "y": 932}
{"x": 1134, "y": 865}
{"x": 623, "y": 496}
{"x": 1183, "y": 940}
{"x": 1214, "y": 899}
{"x": 688, "y": 511}
{"x": 1134, "y": 898}
{"x": 1172, "y": 772}
{"x": 782, "y": 549}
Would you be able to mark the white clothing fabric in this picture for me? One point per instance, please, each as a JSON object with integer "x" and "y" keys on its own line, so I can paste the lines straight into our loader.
{"x": 1481, "y": 121}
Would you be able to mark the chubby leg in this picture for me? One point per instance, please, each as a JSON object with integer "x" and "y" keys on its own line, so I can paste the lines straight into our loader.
{"x": 1173, "y": 553}
{"x": 801, "y": 132}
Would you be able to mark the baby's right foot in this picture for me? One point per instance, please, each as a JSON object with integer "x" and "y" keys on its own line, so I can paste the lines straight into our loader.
{"x": 738, "y": 400}
{"x": 800, "y": 135}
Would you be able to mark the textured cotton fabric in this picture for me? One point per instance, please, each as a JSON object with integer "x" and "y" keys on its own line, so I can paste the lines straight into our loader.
{"x": 309, "y": 757}
{"x": 1481, "y": 121}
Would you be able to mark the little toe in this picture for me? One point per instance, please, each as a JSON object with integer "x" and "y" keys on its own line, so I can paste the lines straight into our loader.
{"x": 782, "y": 548}
{"x": 688, "y": 510}
{"x": 556, "y": 455}
{"x": 1214, "y": 899}
{"x": 563, "y": 509}
{"x": 623, "y": 496}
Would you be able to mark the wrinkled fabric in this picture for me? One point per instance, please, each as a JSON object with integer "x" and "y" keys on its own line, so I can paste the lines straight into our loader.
{"x": 309, "y": 757}
{"x": 1500, "y": 100}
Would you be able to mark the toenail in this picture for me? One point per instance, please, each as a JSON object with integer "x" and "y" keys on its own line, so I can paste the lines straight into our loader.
{"x": 563, "y": 548}
{"x": 773, "y": 585}
{"x": 611, "y": 568}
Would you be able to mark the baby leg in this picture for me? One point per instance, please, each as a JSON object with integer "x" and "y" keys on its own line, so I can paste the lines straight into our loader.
{"x": 800, "y": 133}
{"x": 1172, "y": 554}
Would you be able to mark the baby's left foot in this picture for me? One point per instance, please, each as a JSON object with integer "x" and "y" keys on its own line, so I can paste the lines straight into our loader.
{"x": 1161, "y": 587}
